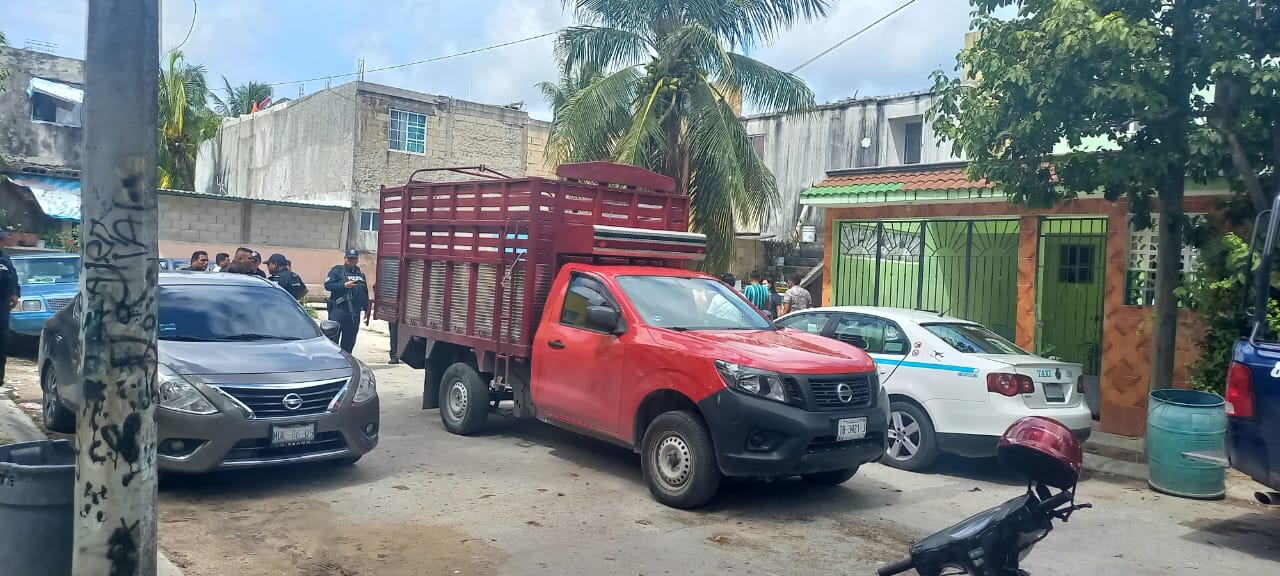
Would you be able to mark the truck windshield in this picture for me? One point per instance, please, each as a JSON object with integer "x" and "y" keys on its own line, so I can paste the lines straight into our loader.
{"x": 690, "y": 304}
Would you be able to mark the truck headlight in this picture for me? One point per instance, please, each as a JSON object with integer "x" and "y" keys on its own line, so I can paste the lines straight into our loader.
{"x": 756, "y": 382}
{"x": 32, "y": 305}
{"x": 366, "y": 388}
{"x": 179, "y": 395}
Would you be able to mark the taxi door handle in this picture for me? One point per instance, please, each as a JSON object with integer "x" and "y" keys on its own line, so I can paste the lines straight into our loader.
{"x": 556, "y": 344}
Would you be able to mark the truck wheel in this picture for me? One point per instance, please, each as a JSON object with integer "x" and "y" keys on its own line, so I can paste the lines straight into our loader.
{"x": 830, "y": 477}
{"x": 679, "y": 460}
{"x": 464, "y": 400}
{"x": 912, "y": 443}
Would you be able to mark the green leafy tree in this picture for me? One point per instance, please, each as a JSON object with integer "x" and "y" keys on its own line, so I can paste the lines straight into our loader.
{"x": 185, "y": 121}
{"x": 240, "y": 99}
{"x": 665, "y": 99}
{"x": 1127, "y": 87}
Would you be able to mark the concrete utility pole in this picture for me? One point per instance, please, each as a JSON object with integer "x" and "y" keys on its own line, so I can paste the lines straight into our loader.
{"x": 116, "y": 427}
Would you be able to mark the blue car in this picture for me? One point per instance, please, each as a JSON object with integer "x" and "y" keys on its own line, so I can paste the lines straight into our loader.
{"x": 49, "y": 282}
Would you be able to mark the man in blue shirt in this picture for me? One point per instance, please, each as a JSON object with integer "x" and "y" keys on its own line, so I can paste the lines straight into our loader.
{"x": 756, "y": 293}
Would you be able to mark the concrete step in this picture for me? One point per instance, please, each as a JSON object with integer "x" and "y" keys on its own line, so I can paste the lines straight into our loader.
{"x": 809, "y": 262}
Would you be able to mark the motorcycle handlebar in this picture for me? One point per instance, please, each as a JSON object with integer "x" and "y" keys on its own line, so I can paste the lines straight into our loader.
{"x": 1053, "y": 502}
{"x": 896, "y": 567}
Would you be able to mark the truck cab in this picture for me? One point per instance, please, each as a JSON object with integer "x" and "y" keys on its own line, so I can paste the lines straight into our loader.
{"x": 602, "y": 329}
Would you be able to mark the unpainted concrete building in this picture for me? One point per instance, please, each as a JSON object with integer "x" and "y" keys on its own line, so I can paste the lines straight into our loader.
{"x": 854, "y": 133}
{"x": 40, "y": 129}
{"x": 341, "y": 144}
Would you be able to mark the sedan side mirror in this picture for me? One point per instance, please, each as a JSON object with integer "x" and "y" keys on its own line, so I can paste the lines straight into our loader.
{"x": 330, "y": 329}
{"x": 603, "y": 318}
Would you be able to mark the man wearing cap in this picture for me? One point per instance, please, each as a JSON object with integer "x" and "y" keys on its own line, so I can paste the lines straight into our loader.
{"x": 278, "y": 267}
{"x": 256, "y": 259}
{"x": 348, "y": 297}
{"x": 10, "y": 292}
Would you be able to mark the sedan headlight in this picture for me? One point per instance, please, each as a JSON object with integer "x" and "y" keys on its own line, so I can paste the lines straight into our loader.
{"x": 32, "y": 305}
{"x": 762, "y": 383}
{"x": 367, "y": 387}
{"x": 179, "y": 395}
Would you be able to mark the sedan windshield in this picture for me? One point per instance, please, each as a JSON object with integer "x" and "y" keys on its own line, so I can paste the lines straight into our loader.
{"x": 690, "y": 304}
{"x": 973, "y": 339}
{"x": 51, "y": 270}
{"x": 222, "y": 313}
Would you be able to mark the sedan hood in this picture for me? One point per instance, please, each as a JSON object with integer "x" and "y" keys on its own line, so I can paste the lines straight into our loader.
{"x": 788, "y": 351}
{"x": 55, "y": 290}
{"x": 265, "y": 357}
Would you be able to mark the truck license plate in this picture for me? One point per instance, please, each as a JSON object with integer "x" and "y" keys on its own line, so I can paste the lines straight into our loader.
{"x": 851, "y": 428}
{"x": 293, "y": 435}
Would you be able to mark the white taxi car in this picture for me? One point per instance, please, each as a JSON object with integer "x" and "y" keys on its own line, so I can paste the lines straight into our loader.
{"x": 954, "y": 386}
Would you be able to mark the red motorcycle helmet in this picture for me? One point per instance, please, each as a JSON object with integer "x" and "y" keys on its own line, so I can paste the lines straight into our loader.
{"x": 1042, "y": 449}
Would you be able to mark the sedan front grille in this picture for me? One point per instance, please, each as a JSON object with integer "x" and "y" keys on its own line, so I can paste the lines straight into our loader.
{"x": 841, "y": 391}
{"x": 56, "y": 304}
{"x": 277, "y": 402}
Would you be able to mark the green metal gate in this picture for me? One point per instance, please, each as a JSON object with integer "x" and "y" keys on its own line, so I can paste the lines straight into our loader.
{"x": 1070, "y": 287}
{"x": 963, "y": 268}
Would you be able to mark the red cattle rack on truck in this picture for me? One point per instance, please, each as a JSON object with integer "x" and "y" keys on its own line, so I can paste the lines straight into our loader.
{"x": 471, "y": 262}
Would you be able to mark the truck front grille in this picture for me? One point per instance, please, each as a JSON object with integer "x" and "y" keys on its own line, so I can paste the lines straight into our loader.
{"x": 839, "y": 391}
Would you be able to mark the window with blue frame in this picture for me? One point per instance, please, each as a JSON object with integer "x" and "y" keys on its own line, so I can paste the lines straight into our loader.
{"x": 368, "y": 221}
{"x": 407, "y": 132}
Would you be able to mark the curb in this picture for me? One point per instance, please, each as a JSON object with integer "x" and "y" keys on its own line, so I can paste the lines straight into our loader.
{"x": 16, "y": 426}
{"x": 1114, "y": 467}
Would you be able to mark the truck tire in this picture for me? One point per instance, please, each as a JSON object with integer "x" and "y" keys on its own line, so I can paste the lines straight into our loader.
{"x": 830, "y": 477}
{"x": 679, "y": 460}
{"x": 464, "y": 399}
{"x": 918, "y": 448}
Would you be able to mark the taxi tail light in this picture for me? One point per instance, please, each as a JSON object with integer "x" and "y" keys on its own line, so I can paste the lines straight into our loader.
{"x": 1010, "y": 385}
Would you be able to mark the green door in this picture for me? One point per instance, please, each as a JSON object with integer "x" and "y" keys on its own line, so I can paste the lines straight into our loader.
{"x": 1070, "y": 286}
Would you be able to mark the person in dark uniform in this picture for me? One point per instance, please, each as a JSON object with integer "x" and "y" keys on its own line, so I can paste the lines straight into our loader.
{"x": 10, "y": 291}
{"x": 279, "y": 272}
{"x": 256, "y": 259}
{"x": 348, "y": 297}
{"x": 391, "y": 328}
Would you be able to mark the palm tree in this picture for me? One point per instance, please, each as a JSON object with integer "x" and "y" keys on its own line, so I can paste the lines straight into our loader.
{"x": 185, "y": 121}
{"x": 240, "y": 99}
{"x": 665, "y": 100}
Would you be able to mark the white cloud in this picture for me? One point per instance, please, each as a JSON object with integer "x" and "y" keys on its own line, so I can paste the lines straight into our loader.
{"x": 895, "y": 56}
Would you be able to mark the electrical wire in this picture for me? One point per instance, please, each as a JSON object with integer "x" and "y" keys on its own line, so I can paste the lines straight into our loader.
{"x": 195, "y": 9}
{"x": 417, "y": 62}
{"x": 852, "y": 36}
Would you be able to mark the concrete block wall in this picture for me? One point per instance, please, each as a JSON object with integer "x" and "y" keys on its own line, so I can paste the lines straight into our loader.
{"x": 296, "y": 226}
{"x": 536, "y": 150}
{"x": 37, "y": 143}
{"x": 188, "y": 219}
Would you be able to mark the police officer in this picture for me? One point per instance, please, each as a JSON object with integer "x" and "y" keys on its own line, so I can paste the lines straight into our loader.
{"x": 279, "y": 272}
{"x": 348, "y": 297}
{"x": 10, "y": 292}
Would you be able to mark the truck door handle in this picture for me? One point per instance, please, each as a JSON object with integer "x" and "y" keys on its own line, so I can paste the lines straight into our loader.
{"x": 558, "y": 345}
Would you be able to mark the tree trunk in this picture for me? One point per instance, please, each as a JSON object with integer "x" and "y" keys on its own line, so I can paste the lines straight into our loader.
{"x": 1164, "y": 337}
{"x": 116, "y": 430}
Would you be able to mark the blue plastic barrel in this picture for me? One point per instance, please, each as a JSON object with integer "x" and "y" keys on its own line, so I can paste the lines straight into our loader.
{"x": 1181, "y": 421}
{"x": 37, "y": 481}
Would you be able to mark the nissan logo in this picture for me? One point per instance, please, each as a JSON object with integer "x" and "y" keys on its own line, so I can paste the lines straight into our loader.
{"x": 292, "y": 401}
{"x": 844, "y": 392}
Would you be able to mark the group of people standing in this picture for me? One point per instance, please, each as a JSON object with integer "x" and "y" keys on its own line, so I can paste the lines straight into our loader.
{"x": 775, "y": 299}
{"x": 249, "y": 261}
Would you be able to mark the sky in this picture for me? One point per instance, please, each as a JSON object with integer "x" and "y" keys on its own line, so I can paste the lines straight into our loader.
{"x": 282, "y": 41}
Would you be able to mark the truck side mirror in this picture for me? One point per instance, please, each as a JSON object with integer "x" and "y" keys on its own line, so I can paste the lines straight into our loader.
{"x": 602, "y": 318}
{"x": 330, "y": 329}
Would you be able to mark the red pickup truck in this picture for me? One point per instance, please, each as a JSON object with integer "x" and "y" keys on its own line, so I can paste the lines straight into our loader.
{"x": 569, "y": 300}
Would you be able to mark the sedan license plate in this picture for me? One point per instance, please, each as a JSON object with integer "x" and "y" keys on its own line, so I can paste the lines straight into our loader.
{"x": 1053, "y": 392}
{"x": 851, "y": 429}
{"x": 293, "y": 435}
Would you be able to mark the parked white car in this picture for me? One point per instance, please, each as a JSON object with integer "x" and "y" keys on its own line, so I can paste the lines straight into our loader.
{"x": 954, "y": 385}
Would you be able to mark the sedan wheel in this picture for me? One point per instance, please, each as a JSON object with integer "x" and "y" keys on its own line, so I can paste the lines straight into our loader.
{"x": 56, "y": 416}
{"x": 912, "y": 443}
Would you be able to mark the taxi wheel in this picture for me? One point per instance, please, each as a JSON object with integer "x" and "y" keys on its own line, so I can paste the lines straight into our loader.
{"x": 679, "y": 461}
{"x": 912, "y": 445}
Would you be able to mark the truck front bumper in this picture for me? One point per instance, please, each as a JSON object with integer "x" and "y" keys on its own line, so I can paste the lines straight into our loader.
{"x": 755, "y": 437}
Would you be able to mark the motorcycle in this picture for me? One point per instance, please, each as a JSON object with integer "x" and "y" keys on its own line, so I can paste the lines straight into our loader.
{"x": 995, "y": 541}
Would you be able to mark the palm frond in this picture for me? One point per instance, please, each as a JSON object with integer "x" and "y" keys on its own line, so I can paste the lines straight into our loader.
{"x": 744, "y": 23}
{"x": 593, "y": 119}
{"x": 765, "y": 87}
{"x": 644, "y": 139}
{"x": 600, "y": 48}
